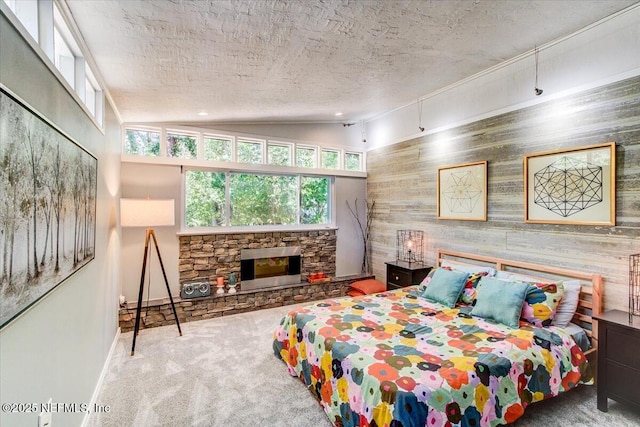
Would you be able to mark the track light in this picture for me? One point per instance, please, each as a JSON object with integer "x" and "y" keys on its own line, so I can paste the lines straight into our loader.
{"x": 536, "y": 89}
{"x": 348, "y": 124}
{"x": 364, "y": 132}
{"x": 421, "y": 128}
{"x": 420, "y": 115}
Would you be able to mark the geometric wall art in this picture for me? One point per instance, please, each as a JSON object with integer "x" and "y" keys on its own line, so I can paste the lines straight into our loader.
{"x": 462, "y": 192}
{"x": 48, "y": 188}
{"x": 575, "y": 186}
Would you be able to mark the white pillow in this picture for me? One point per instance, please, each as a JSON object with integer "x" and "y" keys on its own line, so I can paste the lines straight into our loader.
{"x": 468, "y": 268}
{"x": 568, "y": 305}
{"x": 517, "y": 277}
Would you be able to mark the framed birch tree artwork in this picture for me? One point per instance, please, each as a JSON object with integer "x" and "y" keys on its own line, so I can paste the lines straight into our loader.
{"x": 462, "y": 192}
{"x": 571, "y": 186}
{"x": 47, "y": 207}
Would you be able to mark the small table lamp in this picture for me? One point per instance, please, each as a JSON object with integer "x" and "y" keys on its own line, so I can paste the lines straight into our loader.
{"x": 148, "y": 213}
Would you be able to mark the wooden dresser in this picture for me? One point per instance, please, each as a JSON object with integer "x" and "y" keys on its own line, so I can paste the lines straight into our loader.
{"x": 401, "y": 274}
{"x": 618, "y": 359}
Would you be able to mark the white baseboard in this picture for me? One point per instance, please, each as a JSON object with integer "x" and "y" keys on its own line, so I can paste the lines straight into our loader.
{"x": 105, "y": 368}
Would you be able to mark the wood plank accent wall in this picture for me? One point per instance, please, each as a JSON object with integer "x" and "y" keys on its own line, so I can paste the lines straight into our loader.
{"x": 402, "y": 181}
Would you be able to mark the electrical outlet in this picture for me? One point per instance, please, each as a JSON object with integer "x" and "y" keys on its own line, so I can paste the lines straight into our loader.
{"x": 44, "y": 419}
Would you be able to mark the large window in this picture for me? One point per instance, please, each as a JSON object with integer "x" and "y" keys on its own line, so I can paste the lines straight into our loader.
{"x": 255, "y": 199}
{"x": 263, "y": 199}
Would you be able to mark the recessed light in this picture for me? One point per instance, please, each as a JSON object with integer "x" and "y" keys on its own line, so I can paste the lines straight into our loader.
{"x": 338, "y": 114}
{"x": 203, "y": 113}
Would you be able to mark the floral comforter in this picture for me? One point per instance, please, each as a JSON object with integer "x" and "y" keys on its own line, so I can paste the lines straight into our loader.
{"x": 397, "y": 359}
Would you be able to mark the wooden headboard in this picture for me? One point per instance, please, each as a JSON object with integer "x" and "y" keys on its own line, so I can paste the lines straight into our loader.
{"x": 589, "y": 304}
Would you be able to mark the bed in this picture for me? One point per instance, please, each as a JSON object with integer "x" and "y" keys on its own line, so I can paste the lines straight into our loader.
{"x": 409, "y": 358}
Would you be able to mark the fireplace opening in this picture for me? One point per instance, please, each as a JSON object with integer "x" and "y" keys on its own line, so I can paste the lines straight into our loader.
{"x": 264, "y": 268}
{"x": 271, "y": 267}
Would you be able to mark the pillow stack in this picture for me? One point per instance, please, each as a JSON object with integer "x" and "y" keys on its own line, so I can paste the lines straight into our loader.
{"x": 366, "y": 287}
{"x": 506, "y": 299}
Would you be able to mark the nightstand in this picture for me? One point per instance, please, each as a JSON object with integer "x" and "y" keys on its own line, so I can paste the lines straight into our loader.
{"x": 618, "y": 359}
{"x": 401, "y": 274}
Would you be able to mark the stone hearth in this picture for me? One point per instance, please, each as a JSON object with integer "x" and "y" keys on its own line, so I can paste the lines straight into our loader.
{"x": 209, "y": 256}
{"x": 223, "y": 305}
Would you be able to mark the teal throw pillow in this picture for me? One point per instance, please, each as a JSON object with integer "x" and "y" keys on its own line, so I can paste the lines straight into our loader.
{"x": 500, "y": 301}
{"x": 445, "y": 286}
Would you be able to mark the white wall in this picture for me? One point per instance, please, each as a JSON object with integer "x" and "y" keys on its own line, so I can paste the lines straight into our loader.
{"x": 57, "y": 349}
{"x": 601, "y": 54}
{"x": 158, "y": 182}
{"x": 349, "y": 248}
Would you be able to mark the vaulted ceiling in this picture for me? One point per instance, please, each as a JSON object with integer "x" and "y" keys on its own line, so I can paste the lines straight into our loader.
{"x": 305, "y": 60}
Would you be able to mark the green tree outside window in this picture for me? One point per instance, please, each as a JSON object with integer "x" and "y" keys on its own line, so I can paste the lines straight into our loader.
{"x": 205, "y": 196}
{"x": 330, "y": 159}
{"x": 217, "y": 149}
{"x": 305, "y": 157}
{"x": 142, "y": 142}
{"x": 181, "y": 146}
{"x": 249, "y": 152}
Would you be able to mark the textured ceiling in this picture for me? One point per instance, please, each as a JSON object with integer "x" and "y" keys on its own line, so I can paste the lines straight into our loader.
{"x": 304, "y": 60}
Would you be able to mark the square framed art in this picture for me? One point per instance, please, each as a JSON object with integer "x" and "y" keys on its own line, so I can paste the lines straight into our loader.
{"x": 571, "y": 186}
{"x": 462, "y": 192}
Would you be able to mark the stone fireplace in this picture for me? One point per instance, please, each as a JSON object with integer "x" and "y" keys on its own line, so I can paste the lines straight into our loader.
{"x": 209, "y": 256}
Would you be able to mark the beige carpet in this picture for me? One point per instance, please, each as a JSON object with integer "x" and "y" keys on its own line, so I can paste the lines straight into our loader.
{"x": 222, "y": 372}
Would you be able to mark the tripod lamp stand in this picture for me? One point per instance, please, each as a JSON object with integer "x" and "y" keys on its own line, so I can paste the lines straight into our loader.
{"x": 148, "y": 213}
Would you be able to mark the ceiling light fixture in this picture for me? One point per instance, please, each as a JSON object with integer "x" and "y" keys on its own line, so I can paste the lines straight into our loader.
{"x": 348, "y": 124}
{"x": 338, "y": 114}
{"x": 537, "y": 90}
{"x": 364, "y": 132}
{"x": 420, "y": 115}
{"x": 203, "y": 113}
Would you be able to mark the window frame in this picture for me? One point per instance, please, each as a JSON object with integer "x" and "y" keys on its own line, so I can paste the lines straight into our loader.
{"x": 316, "y": 158}
{"x": 142, "y": 129}
{"x": 37, "y": 22}
{"x": 235, "y": 138}
{"x": 181, "y": 133}
{"x": 338, "y": 152}
{"x": 184, "y": 230}
{"x": 251, "y": 140}
{"x": 289, "y": 145}
{"x": 231, "y": 139}
{"x": 360, "y": 159}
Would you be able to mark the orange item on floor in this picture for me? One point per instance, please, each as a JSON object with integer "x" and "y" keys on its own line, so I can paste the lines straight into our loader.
{"x": 366, "y": 287}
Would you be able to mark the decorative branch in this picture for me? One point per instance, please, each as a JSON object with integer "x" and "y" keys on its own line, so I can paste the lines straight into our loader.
{"x": 365, "y": 231}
